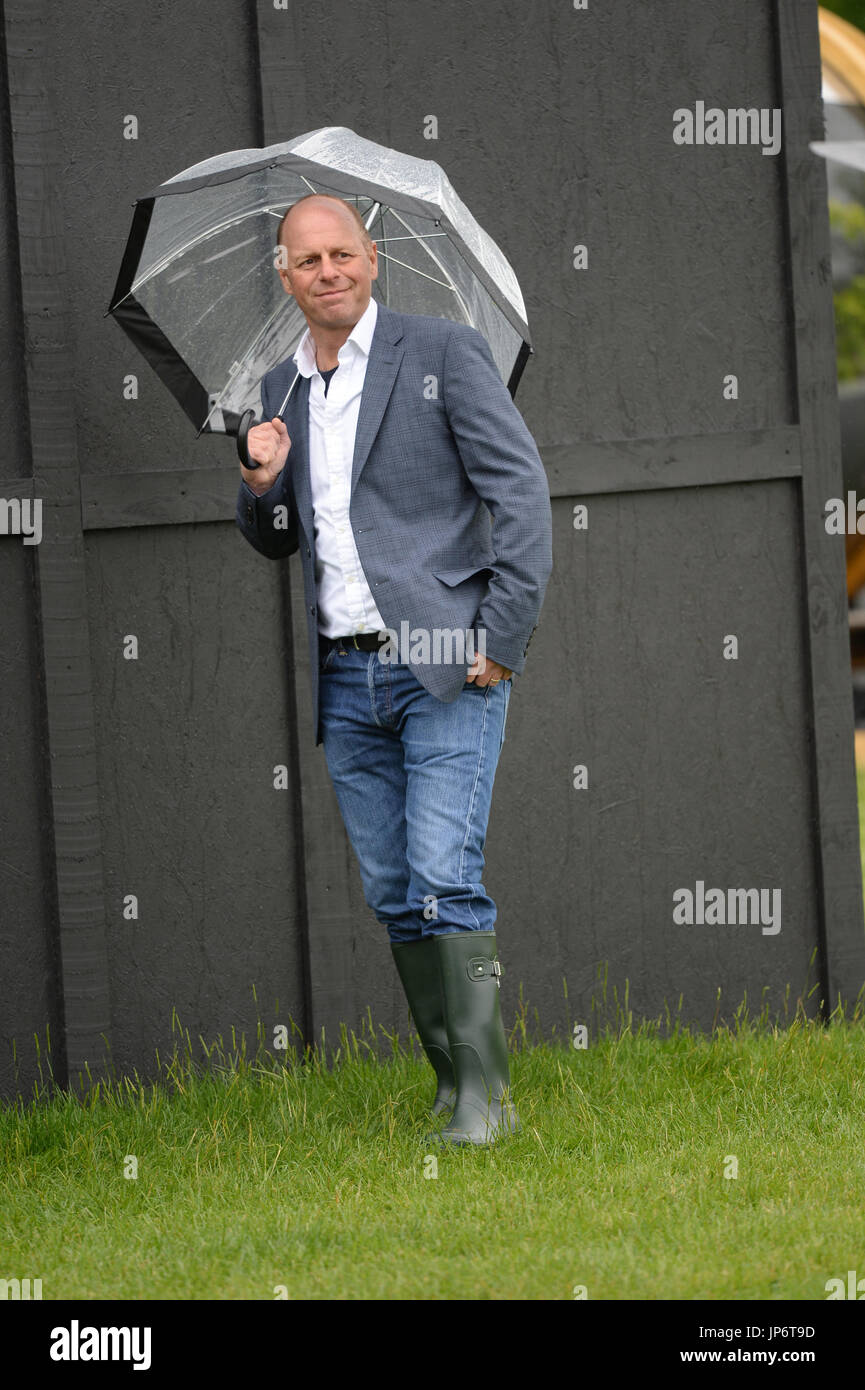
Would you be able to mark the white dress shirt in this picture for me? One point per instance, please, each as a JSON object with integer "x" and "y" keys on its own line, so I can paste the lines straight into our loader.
{"x": 345, "y": 603}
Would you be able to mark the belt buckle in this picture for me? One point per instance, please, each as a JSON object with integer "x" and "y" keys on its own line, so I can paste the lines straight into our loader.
{"x": 354, "y": 640}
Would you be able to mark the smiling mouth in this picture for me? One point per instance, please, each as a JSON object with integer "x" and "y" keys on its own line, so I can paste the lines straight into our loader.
{"x": 331, "y": 294}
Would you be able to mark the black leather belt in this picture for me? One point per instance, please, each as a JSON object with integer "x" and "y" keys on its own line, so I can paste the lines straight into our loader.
{"x": 363, "y": 641}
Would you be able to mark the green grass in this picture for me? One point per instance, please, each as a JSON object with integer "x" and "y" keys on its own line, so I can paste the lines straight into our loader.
{"x": 261, "y": 1173}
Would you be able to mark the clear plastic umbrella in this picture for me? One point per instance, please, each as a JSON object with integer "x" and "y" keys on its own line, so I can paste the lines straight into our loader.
{"x": 198, "y": 291}
{"x": 850, "y": 152}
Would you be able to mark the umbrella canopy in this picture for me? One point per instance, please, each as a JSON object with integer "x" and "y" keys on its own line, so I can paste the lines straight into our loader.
{"x": 198, "y": 291}
{"x": 850, "y": 152}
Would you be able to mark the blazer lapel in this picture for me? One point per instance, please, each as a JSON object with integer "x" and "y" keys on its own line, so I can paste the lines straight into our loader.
{"x": 297, "y": 424}
{"x": 385, "y": 355}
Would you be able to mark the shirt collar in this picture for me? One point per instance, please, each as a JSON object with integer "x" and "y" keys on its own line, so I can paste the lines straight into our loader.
{"x": 361, "y": 335}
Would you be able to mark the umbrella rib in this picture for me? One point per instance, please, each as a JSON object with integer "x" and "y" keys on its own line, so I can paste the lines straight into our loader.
{"x": 386, "y": 264}
{"x": 196, "y": 240}
{"x": 229, "y": 289}
{"x": 242, "y": 362}
{"x": 385, "y": 236}
{"x": 413, "y": 236}
{"x": 169, "y": 259}
{"x": 444, "y": 284}
{"x": 451, "y": 286}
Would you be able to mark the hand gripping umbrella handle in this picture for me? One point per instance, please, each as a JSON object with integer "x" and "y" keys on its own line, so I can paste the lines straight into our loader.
{"x": 247, "y": 420}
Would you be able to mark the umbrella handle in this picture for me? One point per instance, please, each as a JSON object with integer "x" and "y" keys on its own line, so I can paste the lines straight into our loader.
{"x": 247, "y": 420}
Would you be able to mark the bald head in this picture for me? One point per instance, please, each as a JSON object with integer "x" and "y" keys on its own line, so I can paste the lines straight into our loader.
{"x": 327, "y": 202}
{"x": 327, "y": 262}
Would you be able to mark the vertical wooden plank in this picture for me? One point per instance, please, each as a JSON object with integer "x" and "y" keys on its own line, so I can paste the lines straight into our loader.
{"x": 324, "y": 896}
{"x": 322, "y": 862}
{"x": 65, "y": 643}
{"x": 347, "y": 964}
{"x": 836, "y": 834}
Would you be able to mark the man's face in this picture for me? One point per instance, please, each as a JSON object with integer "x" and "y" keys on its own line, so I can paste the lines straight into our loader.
{"x": 328, "y": 269}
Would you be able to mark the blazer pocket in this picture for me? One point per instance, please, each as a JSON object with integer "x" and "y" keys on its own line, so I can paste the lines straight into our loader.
{"x": 454, "y": 577}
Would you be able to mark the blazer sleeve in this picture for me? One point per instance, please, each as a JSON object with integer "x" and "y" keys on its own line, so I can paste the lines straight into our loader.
{"x": 505, "y": 469}
{"x": 270, "y": 531}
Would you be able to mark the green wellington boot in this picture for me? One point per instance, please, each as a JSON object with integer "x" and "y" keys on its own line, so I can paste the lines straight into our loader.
{"x": 470, "y": 983}
{"x": 419, "y": 971}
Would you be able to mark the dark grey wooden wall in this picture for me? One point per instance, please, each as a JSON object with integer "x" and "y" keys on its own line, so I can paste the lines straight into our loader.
{"x": 154, "y": 777}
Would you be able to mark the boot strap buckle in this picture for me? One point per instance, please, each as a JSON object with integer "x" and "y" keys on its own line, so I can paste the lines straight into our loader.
{"x": 482, "y": 968}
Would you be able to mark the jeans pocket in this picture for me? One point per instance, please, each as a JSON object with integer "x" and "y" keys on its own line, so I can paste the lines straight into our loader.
{"x": 507, "y": 687}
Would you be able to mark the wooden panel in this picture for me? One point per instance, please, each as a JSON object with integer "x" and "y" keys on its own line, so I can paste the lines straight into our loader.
{"x": 60, "y": 556}
{"x": 191, "y": 732}
{"x": 706, "y": 515}
{"x": 643, "y": 465}
{"x": 698, "y": 767}
{"x": 835, "y": 835}
{"x": 159, "y": 499}
{"x": 583, "y": 467}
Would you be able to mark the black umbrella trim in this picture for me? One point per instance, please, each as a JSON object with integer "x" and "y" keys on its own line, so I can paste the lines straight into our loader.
{"x": 132, "y": 254}
{"x": 168, "y": 365}
{"x": 523, "y": 356}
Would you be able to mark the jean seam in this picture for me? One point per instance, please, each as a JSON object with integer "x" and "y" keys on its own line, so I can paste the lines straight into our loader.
{"x": 475, "y": 888}
{"x": 370, "y": 683}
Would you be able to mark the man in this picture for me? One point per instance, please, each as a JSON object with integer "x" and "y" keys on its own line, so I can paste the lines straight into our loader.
{"x": 406, "y": 478}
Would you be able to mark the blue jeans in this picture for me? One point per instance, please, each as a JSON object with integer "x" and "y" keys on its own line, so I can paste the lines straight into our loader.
{"x": 414, "y": 778}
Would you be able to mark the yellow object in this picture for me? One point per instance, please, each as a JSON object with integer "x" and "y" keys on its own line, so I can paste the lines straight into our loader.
{"x": 842, "y": 51}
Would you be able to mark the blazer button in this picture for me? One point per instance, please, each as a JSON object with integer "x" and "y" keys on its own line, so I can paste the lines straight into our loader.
{"x": 312, "y": 609}
{"x": 249, "y": 516}
{"x": 308, "y": 551}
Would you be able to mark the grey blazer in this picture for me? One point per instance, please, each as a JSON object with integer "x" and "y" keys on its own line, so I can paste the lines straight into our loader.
{"x": 449, "y": 498}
